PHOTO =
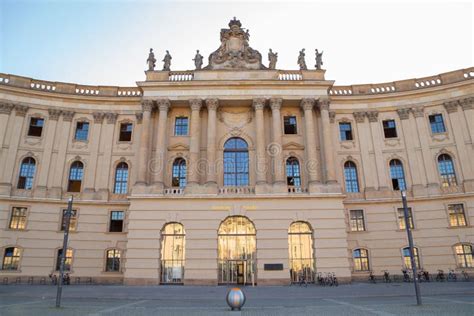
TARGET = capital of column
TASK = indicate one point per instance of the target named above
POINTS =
(111, 117)
(451, 106)
(307, 104)
(139, 117)
(147, 105)
(418, 111)
(323, 104)
(6, 108)
(373, 116)
(54, 114)
(98, 117)
(359, 116)
(163, 104)
(332, 116)
(20, 110)
(467, 104)
(404, 113)
(67, 115)
(258, 104)
(195, 104)
(212, 104)
(275, 103)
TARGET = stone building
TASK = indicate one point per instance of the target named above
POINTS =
(235, 173)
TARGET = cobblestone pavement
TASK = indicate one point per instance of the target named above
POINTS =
(354, 299)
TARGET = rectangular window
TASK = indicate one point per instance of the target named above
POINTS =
(389, 129)
(125, 132)
(36, 127)
(437, 123)
(67, 259)
(18, 218)
(401, 218)
(72, 222)
(181, 126)
(82, 130)
(290, 124)
(357, 220)
(116, 221)
(345, 130)
(457, 217)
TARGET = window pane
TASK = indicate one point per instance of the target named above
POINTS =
(82, 130)
(437, 123)
(27, 173)
(18, 218)
(401, 218)
(236, 163)
(181, 126)
(350, 176)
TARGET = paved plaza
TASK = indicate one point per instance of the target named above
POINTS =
(354, 299)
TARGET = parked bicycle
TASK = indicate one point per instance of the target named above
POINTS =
(329, 279)
(452, 276)
(386, 276)
(406, 275)
(465, 276)
(372, 278)
(53, 278)
(423, 276)
(302, 280)
(440, 277)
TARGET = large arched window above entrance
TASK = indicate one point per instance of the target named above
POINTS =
(300, 247)
(173, 246)
(236, 162)
(237, 246)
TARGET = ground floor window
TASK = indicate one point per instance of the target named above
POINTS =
(113, 261)
(11, 258)
(300, 247)
(173, 245)
(407, 260)
(361, 259)
(67, 259)
(464, 255)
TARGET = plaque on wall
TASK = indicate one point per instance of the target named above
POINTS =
(273, 266)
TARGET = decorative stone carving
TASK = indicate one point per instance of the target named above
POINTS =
(319, 59)
(98, 117)
(139, 117)
(198, 60)
(167, 62)
(323, 104)
(418, 111)
(359, 116)
(451, 106)
(163, 104)
(372, 116)
(111, 117)
(272, 58)
(195, 104)
(307, 103)
(467, 104)
(6, 108)
(404, 113)
(275, 103)
(147, 105)
(67, 115)
(212, 104)
(332, 116)
(151, 60)
(258, 103)
(54, 114)
(301, 60)
(235, 119)
(20, 110)
(234, 51)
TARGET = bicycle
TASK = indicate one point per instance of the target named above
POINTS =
(440, 277)
(372, 278)
(302, 280)
(465, 276)
(406, 275)
(452, 276)
(386, 276)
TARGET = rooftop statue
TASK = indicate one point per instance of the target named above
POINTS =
(151, 60)
(301, 61)
(319, 59)
(234, 51)
(167, 62)
(272, 58)
(198, 60)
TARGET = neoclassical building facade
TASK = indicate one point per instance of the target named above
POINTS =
(235, 173)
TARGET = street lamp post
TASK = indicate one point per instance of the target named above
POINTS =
(67, 221)
(410, 244)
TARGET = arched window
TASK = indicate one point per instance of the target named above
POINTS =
(293, 176)
(173, 246)
(27, 173)
(406, 257)
(236, 162)
(464, 255)
(350, 176)
(300, 247)
(397, 175)
(361, 259)
(446, 171)
(179, 173)
(76, 174)
(237, 247)
(11, 258)
(112, 263)
(67, 259)
(121, 178)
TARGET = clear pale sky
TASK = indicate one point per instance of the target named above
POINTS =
(107, 42)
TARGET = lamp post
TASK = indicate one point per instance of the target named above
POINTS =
(67, 221)
(410, 244)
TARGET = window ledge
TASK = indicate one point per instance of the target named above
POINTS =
(10, 271)
(459, 227)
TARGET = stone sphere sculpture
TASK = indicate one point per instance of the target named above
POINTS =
(235, 298)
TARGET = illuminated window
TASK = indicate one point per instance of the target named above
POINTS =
(18, 218)
(401, 218)
(350, 177)
(300, 247)
(464, 255)
(361, 259)
(293, 176)
(446, 171)
(173, 246)
(112, 263)
(179, 173)
(236, 162)
(357, 220)
(67, 259)
(121, 178)
(75, 177)
(457, 217)
(406, 257)
(11, 258)
(72, 221)
(397, 175)
(27, 173)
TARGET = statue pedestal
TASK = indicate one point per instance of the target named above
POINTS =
(317, 74)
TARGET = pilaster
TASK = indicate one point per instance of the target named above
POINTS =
(158, 164)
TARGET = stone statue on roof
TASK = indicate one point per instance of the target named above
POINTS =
(301, 60)
(319, 59)
(151, 60)
(198, 60)
(272, 58)
(167, 62)
(234, 51)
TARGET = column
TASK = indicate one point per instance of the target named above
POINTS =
(468, 108)
(94, 140)
(311, 164)
(212, 105)
(194, 145)
(259, 105)
(43, 170)
(105, 161)
(363, 137)
(58, 171)
(160, 152)
(328, 150)
(5, 120)
(377, 142)
(276, 150)
(144, 147)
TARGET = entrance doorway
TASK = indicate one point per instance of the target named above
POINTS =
(237, 251)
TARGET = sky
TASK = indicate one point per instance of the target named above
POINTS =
(107, 42)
